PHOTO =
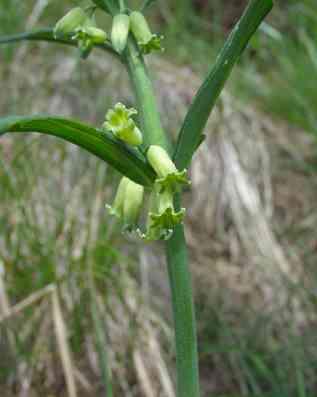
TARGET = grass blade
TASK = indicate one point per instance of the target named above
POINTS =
(123, 158)
(101, 344)
(61, 336)
(147, 4)
(198, 114)
(47, 35)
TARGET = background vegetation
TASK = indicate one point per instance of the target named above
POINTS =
(251, 223)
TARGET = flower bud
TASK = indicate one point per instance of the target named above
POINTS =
(127, 203)
(120, 123)
(160, 161)
(97, 36)
(169, 178)
(70, 22)
(132, 204)
(146, 40)
(120, 32)
(117, 207)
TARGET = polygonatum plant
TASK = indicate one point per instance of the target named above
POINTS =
(140, 149)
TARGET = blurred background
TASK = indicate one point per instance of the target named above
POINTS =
(251, 223)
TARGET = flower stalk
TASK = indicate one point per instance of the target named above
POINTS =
(176, 251)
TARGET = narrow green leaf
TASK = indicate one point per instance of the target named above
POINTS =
(110, 6)
(204, 101)
(147, 4)
(47, 35)
(123, 158)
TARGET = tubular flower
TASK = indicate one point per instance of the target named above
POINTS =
(127, 203)
(120, 32)
(147, 41)
(87, 36)
(162, 217)
(70, 22)
(120, 123)
(169, 178)
(81, 28)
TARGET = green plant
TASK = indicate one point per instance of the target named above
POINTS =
(140, 149)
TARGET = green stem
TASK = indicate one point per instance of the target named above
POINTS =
(153, 133)
(184, 315)
(179, 275)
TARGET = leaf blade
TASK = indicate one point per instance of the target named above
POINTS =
(110, 6)
(211, 88)
(147, 4)
(124, 159)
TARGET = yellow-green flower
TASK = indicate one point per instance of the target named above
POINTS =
(127, 203)
(169, 178)
(146, 40)
(120, 32)
(70, 22)
(120, 123)
(162, 217)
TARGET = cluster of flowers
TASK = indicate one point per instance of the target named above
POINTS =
(162, 216)
(80, 27)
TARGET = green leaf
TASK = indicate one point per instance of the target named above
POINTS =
(123, 158)
(147, 4)
(204, 101)
(47, 35)
(110, 6)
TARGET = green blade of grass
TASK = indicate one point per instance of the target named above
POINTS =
(101, 345)
(123, 158)
(47, 35)
(204, 101)
(147, 4)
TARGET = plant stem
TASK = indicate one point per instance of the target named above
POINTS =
(179, 275)
(153, 133)
(184, 314)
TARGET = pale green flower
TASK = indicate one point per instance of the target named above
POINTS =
(162, 217)
(70, 22)
(127, 203)
(120, 123)
(146, 40)
(169, 178)
(120, 32)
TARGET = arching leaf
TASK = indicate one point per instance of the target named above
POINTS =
(190, 135)
(126, 160)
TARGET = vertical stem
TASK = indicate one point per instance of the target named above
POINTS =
(184, 314)
(151, 126)
(179, 275)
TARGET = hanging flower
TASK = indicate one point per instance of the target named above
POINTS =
(127, 203)
(169, 178)
(120, 32)
(120, 123)
(146, 40)
(70, 22)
